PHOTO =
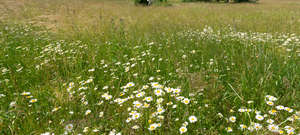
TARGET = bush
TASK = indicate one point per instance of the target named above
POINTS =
(141, 2)
(226, 1)
(147, 2)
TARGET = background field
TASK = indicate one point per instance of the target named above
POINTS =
(66, 64)
(93, 17)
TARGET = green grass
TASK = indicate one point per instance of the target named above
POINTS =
(219, 69)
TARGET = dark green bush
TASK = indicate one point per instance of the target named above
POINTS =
(226, 1)
(142, 2)
(147, 2)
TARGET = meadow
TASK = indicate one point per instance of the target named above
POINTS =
(110, 67)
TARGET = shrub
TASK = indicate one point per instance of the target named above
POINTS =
(142, 2)
(226, 1)
(147, 2)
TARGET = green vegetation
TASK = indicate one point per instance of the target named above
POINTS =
(83, 67)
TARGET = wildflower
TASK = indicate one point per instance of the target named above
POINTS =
(270, 121)
(229, 129)
(291, 132)
(151, 43)
(136, 116)
(155, 85)
(272, 112)
(101, 114)
(257, 126)
(152, 127)
(193, 119)
(145, 87)
(2, 95)
(95, 130)
(158, 92)
(135, 127)
(248, 110)
(160, 100)
(279, 107)
(128, 120)
(280, 131)
(186, 101)
(151, 78)
(182, 130)
(243, 127)
(105, 87)
(160, 110)
(288, 128)
(185, 124)
(106, 96)
(91, 70)
(33, 100)
(127, 69)
(250, 102)
(88, 112)
(272, 98)
(25, 93)
(259, 117)
(170, 103)
(12, 104)
(250, 128)
(270, 103)
(232, 119)
(180, 98)
(69, 127)
(257, 112)
(176, 91)
(288, 109)
(46, 133)
(130, 84)
(290, 119)
(148, 99)
(168, 90)
(55, 109)
(141, 94)
(89, 80)
(160, 117)
(273, 128)
(137, 104)
(146, 105)
(220, 115)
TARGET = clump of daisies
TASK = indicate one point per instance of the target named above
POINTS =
(264, 120)
(153, 98)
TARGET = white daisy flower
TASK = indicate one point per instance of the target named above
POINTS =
(192, 119)
(232, 119)
(259, 117)
(182, 130)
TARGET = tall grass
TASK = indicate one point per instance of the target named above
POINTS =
(83, 75)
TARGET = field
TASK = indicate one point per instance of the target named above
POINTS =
(110, 67)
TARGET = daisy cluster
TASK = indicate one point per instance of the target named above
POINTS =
(278, 119)
(288, 43)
